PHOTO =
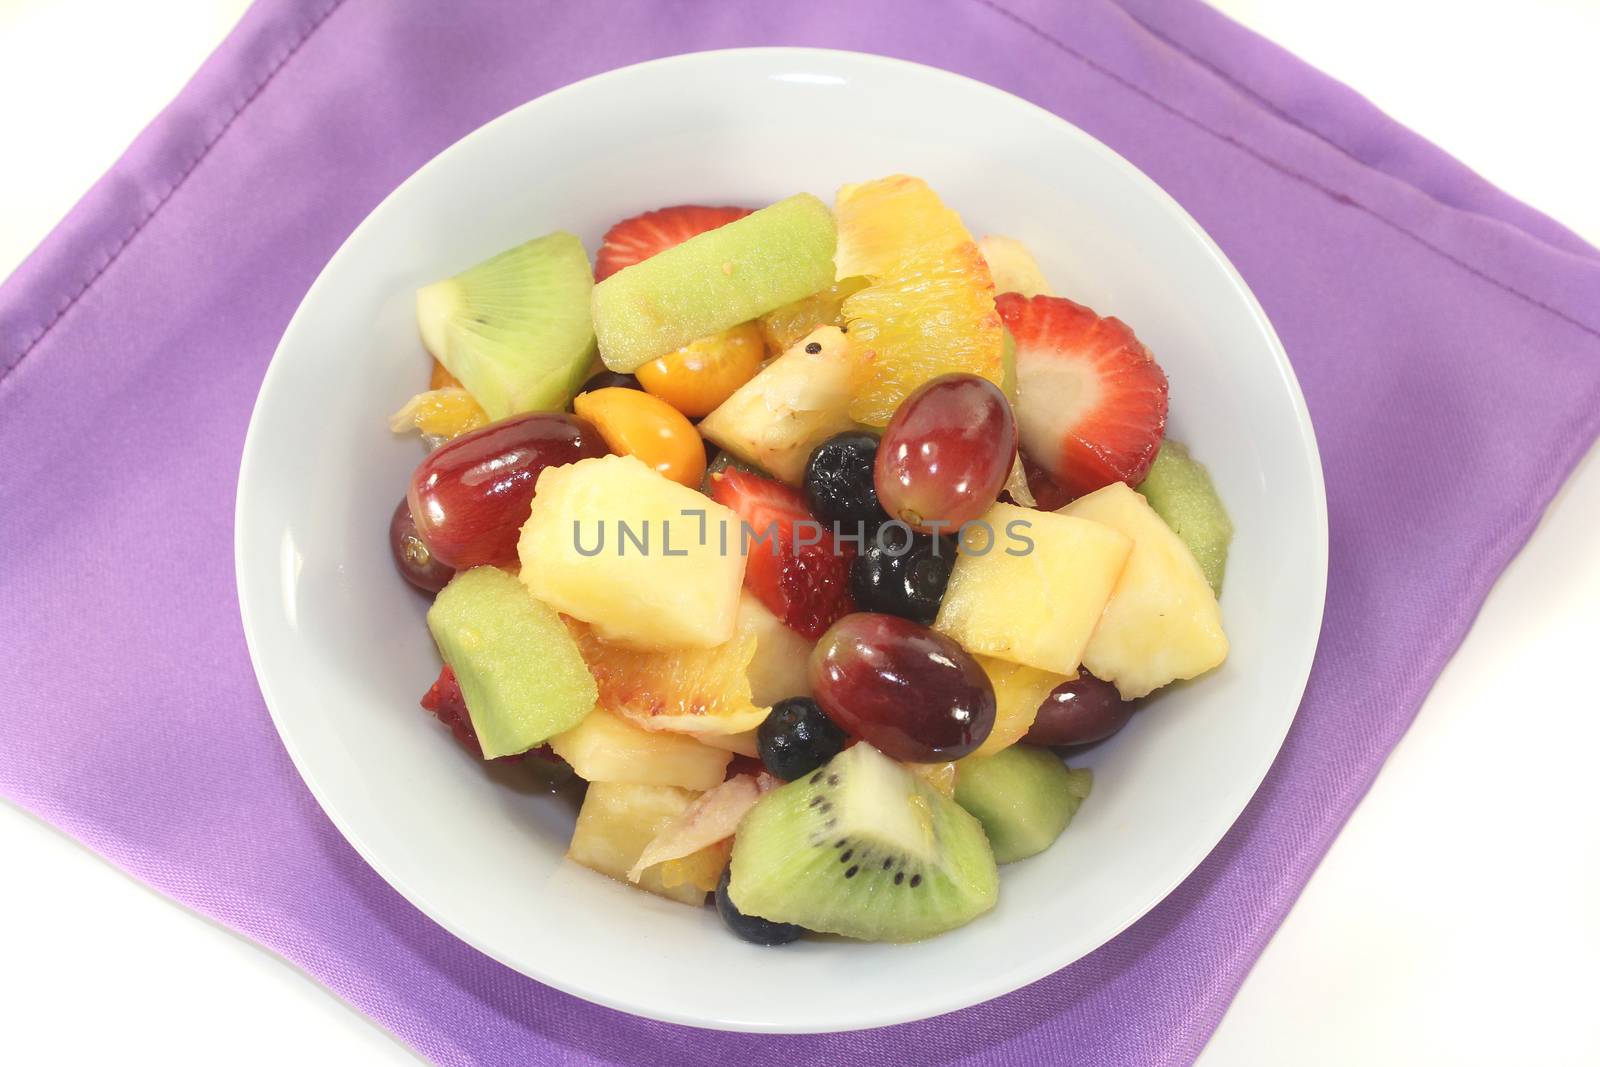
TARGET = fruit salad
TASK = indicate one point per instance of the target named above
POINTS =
(810, 545)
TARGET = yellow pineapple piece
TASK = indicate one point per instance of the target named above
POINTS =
(942, 776)
(650, 597)
(1163, 622)
(1018, 692)
(930, 307)
(796, 402)
(1013, 267)
(607, 748)
(780, 667)
(701, 691)
(1036, 595)
(699, 872)
(617, 821)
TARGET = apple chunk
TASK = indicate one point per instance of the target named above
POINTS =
(1162, 623)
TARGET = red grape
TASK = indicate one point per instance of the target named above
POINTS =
(911, 693)
(471, 497)
(1078, 712)
(946, 453)
(411, 555)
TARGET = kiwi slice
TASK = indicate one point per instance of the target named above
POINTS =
(1023, 796)
(520, 670)
(863, 848)
(1180, 491)
(714, 280)
(515, 329)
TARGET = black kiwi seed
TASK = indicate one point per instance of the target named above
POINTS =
(899, 877)
(888, 861)
(815, 801)
(839, 843)
(815, 778)
(851, 873)
(833, 779)
(916, 880)
(813, 348)
(845, 857)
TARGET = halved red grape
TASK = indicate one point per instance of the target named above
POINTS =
(1078, 712)
(411, 554)
(910, 692)
(946, 453)
(471, 497)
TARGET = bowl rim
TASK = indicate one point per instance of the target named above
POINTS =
(955, 996)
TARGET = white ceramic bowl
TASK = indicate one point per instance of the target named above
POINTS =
(338, 639)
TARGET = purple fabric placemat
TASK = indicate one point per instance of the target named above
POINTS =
(1447, 337)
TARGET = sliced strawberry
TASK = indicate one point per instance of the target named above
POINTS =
(1091, 402)
(449, 706)
(807, 587)
(637, 239)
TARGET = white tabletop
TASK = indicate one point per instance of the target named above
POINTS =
(1457, 918)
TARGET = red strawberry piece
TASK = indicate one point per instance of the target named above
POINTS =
(1047, 495)
(637, 239)
(445, 700)
(449, 706)
(807, 586)
(1091, 401)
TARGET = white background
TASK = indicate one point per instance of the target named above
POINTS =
(1457, 918)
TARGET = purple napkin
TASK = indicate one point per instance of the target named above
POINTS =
(1448, 339)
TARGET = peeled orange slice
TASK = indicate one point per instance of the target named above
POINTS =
(929, 309)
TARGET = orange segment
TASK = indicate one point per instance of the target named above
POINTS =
(442, 379)
(930, 307)
(447, 412)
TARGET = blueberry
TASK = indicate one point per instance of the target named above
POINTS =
(752, 928)
(796, 738)
(891, 578)
(839, 481)
(609, 379)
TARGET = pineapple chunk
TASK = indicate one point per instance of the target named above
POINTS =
(680, 590)
(1036, 595)
(615, 824)
(942, 776)
(1162, 623)
(1018, 692)
(607, 748)
(779, 669)
(1013, 267)
(797, 401)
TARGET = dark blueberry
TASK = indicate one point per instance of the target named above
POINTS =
(609, 379)
(839, 481)
(796, 738)
(752, 928)
(909, 582)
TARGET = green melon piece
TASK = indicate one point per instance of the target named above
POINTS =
(1023, 796)
(520, 670)
(863, 848)
(1180, 491)
(515, 329)
(714, 280)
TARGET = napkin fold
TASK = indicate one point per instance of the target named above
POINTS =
(1446, 336)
